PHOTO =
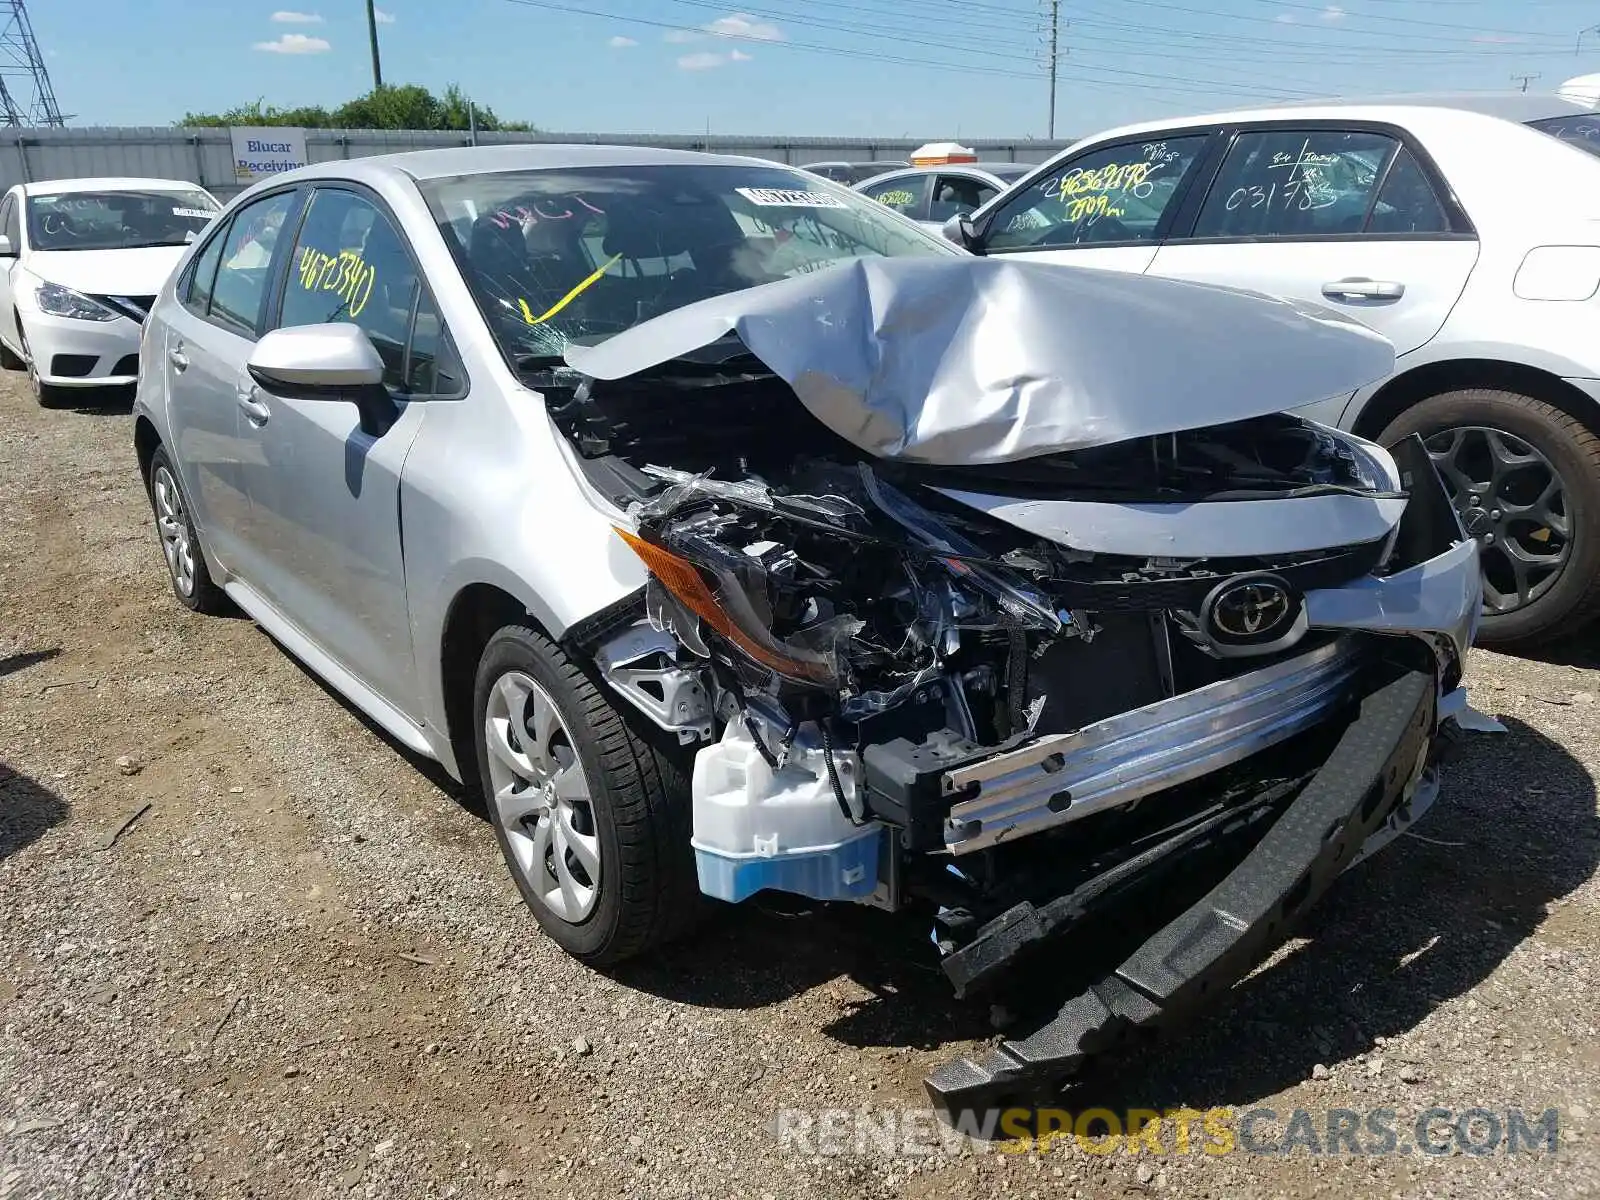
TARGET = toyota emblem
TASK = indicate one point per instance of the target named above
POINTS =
(1250, 611)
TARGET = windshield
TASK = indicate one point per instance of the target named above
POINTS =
(579, 255)
(117, 220)
(1581, 130)
(1010, 172)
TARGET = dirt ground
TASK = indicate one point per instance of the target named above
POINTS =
(302, 970)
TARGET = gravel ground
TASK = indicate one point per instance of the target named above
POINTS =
(301, 969)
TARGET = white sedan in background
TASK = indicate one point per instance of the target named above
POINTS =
(932, 195)
(1465, 229)
(82, 262)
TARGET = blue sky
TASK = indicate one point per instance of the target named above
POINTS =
(918, 68)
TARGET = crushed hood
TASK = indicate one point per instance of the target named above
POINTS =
(963, 360)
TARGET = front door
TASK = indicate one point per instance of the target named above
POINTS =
(325, 526)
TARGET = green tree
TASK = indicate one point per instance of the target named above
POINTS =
(393, 106)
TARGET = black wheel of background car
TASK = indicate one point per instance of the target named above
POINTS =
(180, 545)
(592, 817)
(1525, 477)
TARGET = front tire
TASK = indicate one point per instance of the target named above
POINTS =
(592, 819)
(1525, 477)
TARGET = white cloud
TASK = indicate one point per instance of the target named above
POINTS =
(619, 42)
(1284, 18)
(679, 36)
(739, 56)
(295, 43)
(382, 18)
(743, 25)
(701, 62)
(297, 18)
(1334, 13)
(1496, 39)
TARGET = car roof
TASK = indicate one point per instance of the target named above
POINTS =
(1519, 107)
(481, 160)
(986, 170)
(108, 183)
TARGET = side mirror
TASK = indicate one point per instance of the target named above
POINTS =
(326, 362)
(7, 250)
(316, 360)
(960, 230)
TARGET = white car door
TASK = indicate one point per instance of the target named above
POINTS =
(1107, 206)
(1351, 218)
(11, 226)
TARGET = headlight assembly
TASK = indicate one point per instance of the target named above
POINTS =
(61, 301)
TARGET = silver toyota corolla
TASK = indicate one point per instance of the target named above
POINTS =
(729, 534)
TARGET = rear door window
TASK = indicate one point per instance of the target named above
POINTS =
(1300, 183)
(1109, 194)
(954, 195)
(1581, 130)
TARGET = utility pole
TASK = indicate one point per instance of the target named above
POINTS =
(28, 99)
(1525, 79)
(372, 35)
(1055, 46)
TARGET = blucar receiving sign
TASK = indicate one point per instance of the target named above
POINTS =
(258, 153)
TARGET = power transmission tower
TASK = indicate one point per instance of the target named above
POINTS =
(1525, 79)
(1055, 59)
(22, 73)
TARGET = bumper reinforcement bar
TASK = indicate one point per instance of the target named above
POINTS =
(1218, 940)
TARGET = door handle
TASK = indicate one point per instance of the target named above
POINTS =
(256, 411)
(178, 359)
(1364, 289)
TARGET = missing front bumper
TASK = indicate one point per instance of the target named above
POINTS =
(1216, 941)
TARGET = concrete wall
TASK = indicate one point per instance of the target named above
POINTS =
(205, 156)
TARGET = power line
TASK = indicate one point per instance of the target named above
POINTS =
(1171, 84)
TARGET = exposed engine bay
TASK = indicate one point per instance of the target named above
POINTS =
(901, 695)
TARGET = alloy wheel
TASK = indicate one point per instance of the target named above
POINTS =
(1511, 500)
(173, 525)
(542, 797)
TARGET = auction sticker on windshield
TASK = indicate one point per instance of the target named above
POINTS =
(785, 198)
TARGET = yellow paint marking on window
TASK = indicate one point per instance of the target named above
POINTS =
(527, 313)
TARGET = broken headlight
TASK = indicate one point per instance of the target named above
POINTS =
(740, 595)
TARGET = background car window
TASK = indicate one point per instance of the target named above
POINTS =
(197, 286)
(1581, 130)
(350, 264)
(1407, 202)
(906, 194)
(246, 263)
(117, 219)
(1295, 183)
(1109, 194)
(955, 194)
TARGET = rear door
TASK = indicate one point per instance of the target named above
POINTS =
(1352, 217)
(206, 339)
(1107, 206)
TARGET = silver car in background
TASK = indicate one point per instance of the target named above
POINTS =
(932, 196)
(727, 533)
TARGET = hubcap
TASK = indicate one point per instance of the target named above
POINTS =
(1512, 502)
(541, 797)
(174, 530)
